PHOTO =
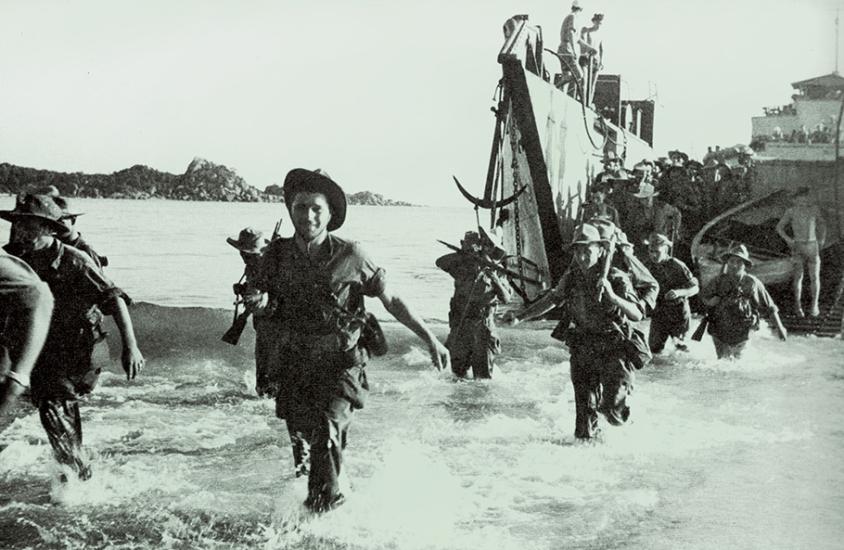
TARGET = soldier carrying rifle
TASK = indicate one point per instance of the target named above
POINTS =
(250, 243)
(599, 306)
(736, 299)
(478, 289)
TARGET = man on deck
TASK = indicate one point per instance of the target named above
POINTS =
(591, 54)
(316, 283)
(569, 49)
(808, 235)
(471, 317)
(613, 169)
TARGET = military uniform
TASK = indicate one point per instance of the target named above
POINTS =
(660, 217)
(742, 300)
(646, 286)
(472, 341)
(80, 244)
(21, 290)
(64, 372)
(315, 351)
(602, 372)
(600, 209)
(266, 379)
(670, 318)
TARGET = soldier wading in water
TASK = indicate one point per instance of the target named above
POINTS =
(65, 372)
(600, 302)
(313, 286)
(477, 290)
(736, 299)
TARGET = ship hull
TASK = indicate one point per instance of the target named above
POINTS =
(553, 147)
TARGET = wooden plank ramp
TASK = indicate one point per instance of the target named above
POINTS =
(827, 324)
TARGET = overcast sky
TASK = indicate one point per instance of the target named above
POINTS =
(389, 96)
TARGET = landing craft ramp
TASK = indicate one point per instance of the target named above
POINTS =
(552, 145)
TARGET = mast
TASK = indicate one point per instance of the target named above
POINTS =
(836, 40)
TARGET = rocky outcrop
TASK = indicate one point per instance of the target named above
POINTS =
(373, 199)
(275, 190)
(202, 181)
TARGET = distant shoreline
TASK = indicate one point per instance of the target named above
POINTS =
(202, 181)
(6, 193)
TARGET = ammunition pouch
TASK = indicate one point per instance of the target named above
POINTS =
(626, 338)
(372, 336)
(93, 324)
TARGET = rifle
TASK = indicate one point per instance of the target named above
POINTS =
(232, 336)
(701, 329)
(276, 231)
(491, 265)
(606, 268)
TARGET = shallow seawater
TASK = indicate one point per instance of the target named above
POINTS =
(717, 454)
(739, 454)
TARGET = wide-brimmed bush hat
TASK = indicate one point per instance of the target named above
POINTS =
(587, 234)
(316, 181)
(249, 241)
(40, 207)
(64, 204)
(739, 251)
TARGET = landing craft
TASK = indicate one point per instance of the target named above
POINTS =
(547, 148)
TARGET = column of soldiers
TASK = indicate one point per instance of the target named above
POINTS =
(660, 205)
(308, 293)
(315, 337)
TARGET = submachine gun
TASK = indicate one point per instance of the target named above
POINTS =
(232, 336)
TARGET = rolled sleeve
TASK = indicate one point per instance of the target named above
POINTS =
(372, 278)
(95, 286)
(558, 294)
(763, 299)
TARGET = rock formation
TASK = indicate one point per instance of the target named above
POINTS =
(202, 181)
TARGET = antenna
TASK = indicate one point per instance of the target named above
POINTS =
(836, 40)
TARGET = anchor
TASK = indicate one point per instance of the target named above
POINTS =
(485, 202)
